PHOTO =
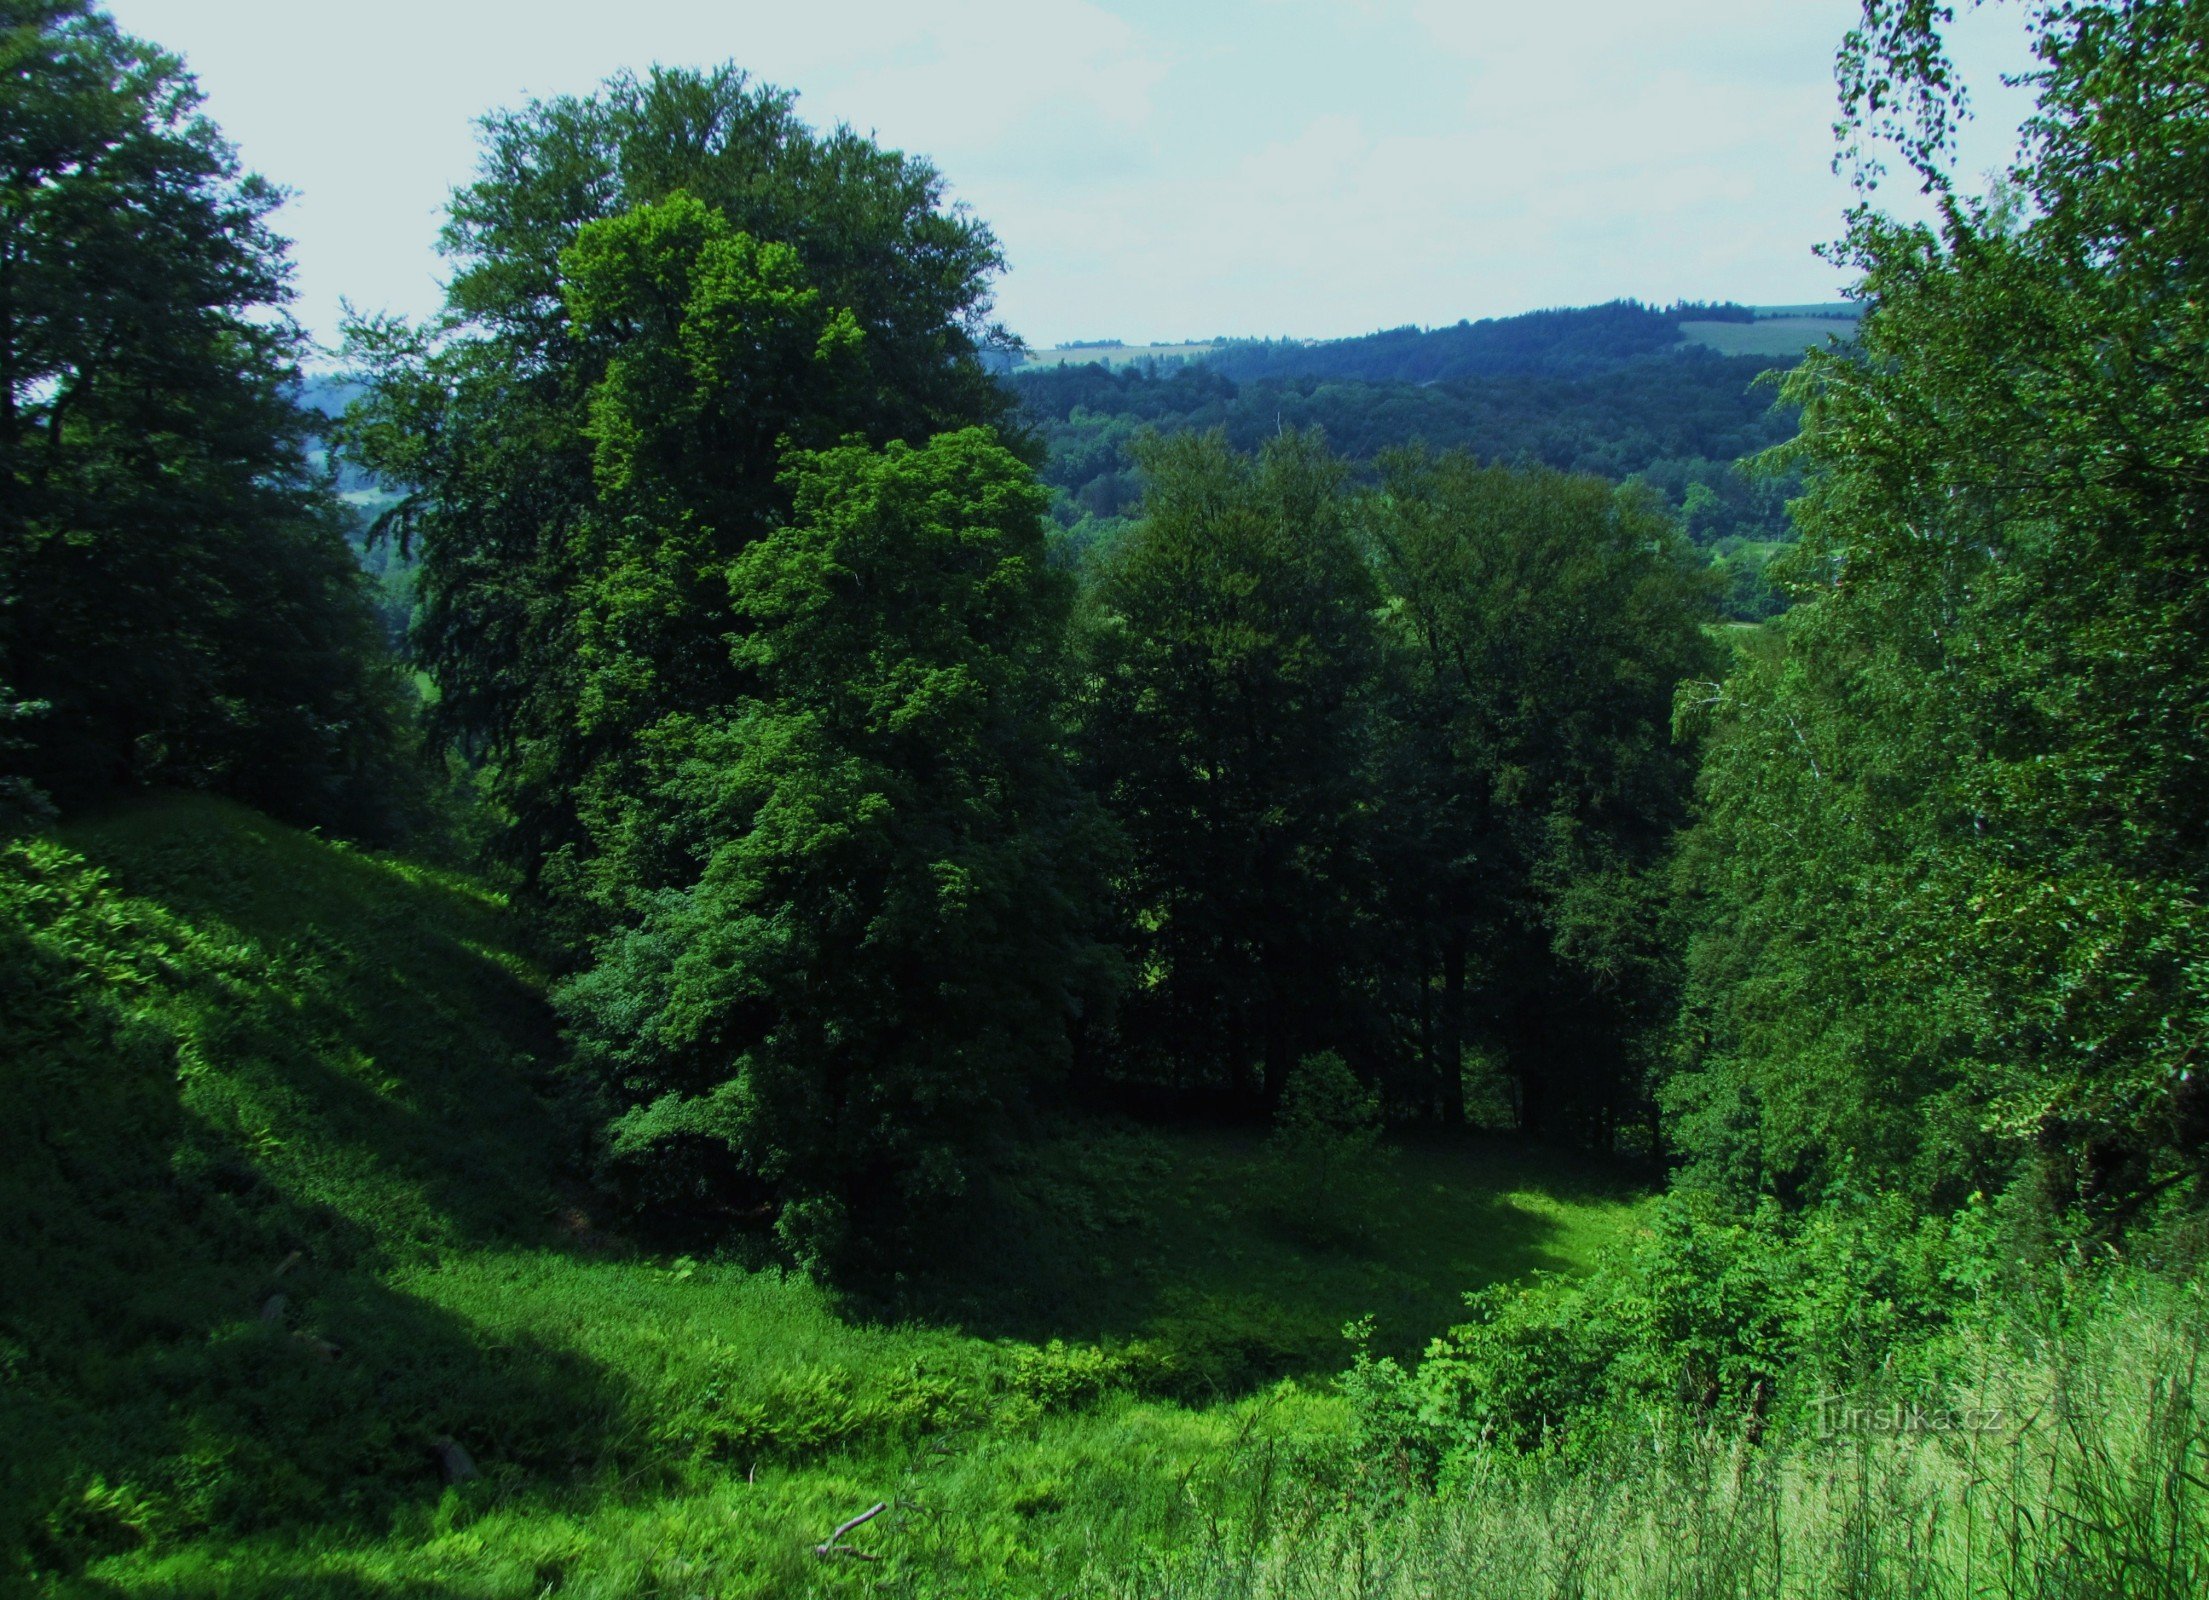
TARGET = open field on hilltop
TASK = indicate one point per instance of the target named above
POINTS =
(1112, 355)
(1777, 337)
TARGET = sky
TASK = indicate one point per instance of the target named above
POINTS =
(1155, 170)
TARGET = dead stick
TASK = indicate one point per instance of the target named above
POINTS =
(829, 1546)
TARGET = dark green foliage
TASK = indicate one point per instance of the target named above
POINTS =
(1945, 892)
(1710, 1314)
(1324, 1151)
(1561, 343)
(880, 951)
(725, 359)
(754, 620)
(1529, 785)
(1230, 650)
(1956, 830)
(175, 588)
(538, 547)
(1396, 775)
(1678, 422)
(774, 729)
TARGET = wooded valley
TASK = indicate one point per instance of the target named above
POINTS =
(678, 936)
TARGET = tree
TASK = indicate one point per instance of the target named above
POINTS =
(175, 588)
(1230, 649)
(570, 585)
(1540, 625)
(751, 624)
(882, 949)
(1324, 1152)
(1955, 835)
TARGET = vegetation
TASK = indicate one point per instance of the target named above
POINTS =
(1973, 955)
(1541, 624)
(581, 445)
(179, 604)
(1545, 343)
(1685, 424)
(883, 941)
(1324, 1031)
(292, 1208)
(1223, 731)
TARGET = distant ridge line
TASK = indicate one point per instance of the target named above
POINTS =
(1560, 342)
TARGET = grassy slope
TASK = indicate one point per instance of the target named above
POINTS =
(232, 1046)
(1115, 1233)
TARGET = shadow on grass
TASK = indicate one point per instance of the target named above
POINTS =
(1116, 1233)
(243, 1079)
(366, 1027)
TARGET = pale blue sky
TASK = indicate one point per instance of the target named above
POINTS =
(1155, 170)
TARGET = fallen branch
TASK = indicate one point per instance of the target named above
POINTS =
(830, 1547)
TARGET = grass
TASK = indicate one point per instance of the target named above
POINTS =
(285, 1173)
(2077, 1475)
(1107, 1232)
(288, 1182)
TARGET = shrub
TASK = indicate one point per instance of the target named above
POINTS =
(1324, 1151)
(1714, 1314)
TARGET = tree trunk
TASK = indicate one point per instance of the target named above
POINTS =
(1430, 1049)
(1280, 1056)
(1530, 1062)
(1242, 1086)
(1450, 1063)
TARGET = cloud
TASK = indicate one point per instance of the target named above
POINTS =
(1154, 169)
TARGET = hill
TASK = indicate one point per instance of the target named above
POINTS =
(290, 1167)
(1681, 424)
(1563, 342)
(1668, 396)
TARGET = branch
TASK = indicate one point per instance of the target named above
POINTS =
(830, 1546)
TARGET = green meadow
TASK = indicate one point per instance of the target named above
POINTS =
(312, 1169)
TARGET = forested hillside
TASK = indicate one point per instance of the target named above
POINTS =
(1566, 343)
(1686, 426)
(1606, 390)
(819, 994)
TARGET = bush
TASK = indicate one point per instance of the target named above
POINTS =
(1324, 1152)
(2050, 1450)
(1714, 1316)
(1069, 1377)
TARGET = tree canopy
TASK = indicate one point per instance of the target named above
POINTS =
(1955, 830)
(583, 443)
(177, 602)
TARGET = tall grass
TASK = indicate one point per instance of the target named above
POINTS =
(2075, 1466)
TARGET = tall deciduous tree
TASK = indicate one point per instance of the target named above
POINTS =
(882, 949)
(1230, 652)
(1957, 832)
(1540, 625)
(752, 625)
(569, 589)
(176, 594)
